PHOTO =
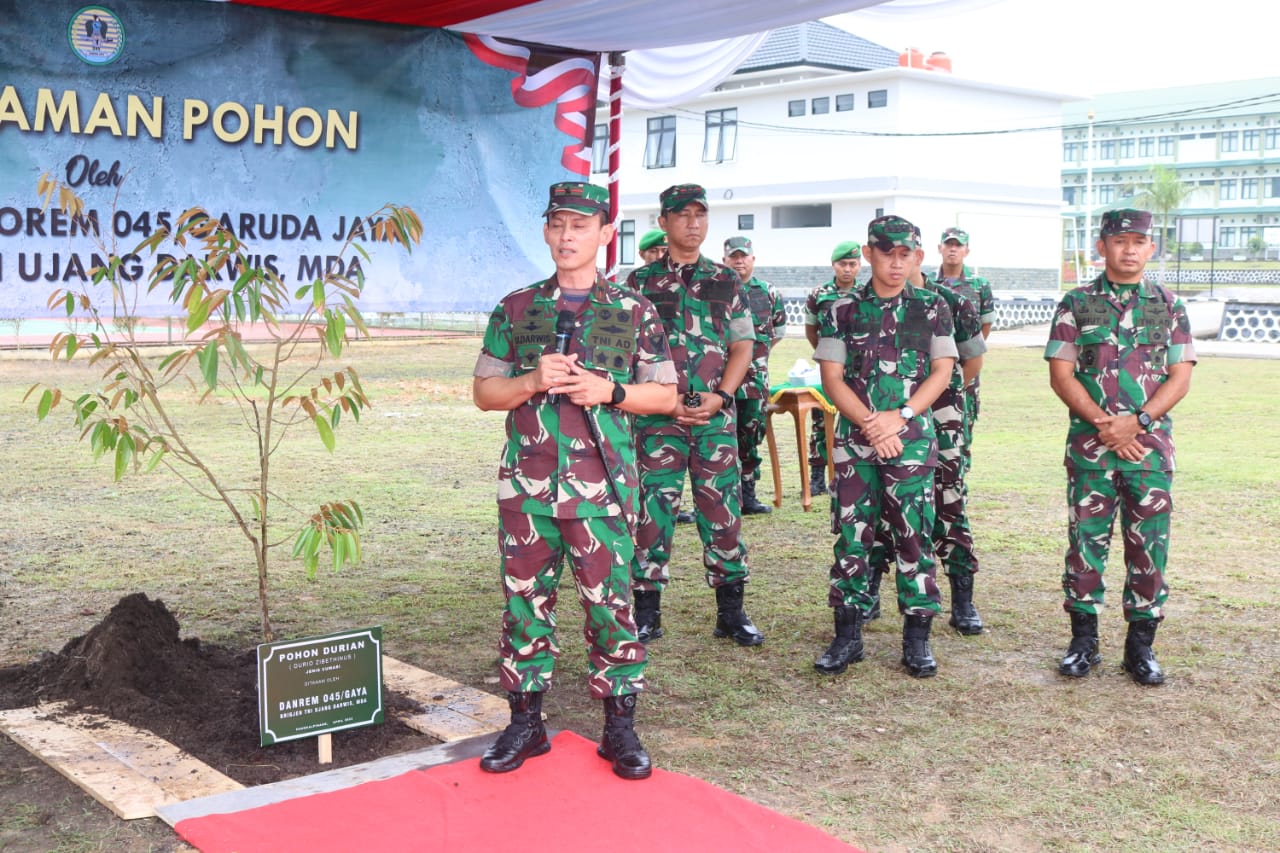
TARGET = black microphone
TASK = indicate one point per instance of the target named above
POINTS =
(565, 321)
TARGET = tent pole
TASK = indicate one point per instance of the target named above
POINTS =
(617, 64)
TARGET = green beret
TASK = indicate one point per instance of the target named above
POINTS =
(656, 237)
(847, 249)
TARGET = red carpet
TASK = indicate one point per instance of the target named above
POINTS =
(566, 800)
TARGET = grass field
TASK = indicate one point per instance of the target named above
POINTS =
(996, 753)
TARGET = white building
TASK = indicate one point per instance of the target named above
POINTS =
(1223, 140)
(821, 131)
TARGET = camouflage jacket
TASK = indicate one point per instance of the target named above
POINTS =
(702, 312)
(886, 347)
(976, 288)
(552, 464)
(770, 321)
(820, 300)
(950, 409)
(1122, 344)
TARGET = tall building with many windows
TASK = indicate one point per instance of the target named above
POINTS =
(1223, 141)
(820, 131)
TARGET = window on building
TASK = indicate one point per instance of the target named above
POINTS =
(1229, 141)
(660, 146)
(1070, 152)
(600, 149)
(1248, 233)
(795, 108)
(1127, 148)
(877, 98)
(1146, 146)
(1249, 140)
(1227, 237)
(746, 221)
(627, 241)
(1167, 144)
(801, 216)
(879, 213)
(1106, 194)
(1107, 149)
(1271, 187)
(1271, 139)
(821, 106)
(1248, 188)
(1228, 190)
(1069, 195)
(844, 103)
(721, 140)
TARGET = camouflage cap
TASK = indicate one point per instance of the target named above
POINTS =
(674, 199)
(737, 244)
(656, 237)
(577, 196)
(886, 232)
(847, 249)
(1125, 220)
(960, 235)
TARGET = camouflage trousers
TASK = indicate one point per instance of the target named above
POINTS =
(710, 455)
(818, 441)
(952, 536)
(1145, 506)
(533, 550)
(972, 405)
(750, 434)
(900, 497)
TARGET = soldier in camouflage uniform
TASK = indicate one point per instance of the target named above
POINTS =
(1120, 356)
(886, 354)
(571, 360)
(653, 246)
(710, 335)
(770, 321)
(846, 261)
(952, 536)
(955, 275)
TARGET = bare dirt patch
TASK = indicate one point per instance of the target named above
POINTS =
(133, 666)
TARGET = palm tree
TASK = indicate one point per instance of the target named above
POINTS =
(1164, 193)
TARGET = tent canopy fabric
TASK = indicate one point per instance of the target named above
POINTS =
(590, 25)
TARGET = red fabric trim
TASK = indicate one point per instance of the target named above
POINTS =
(441, 13)
(545, 75)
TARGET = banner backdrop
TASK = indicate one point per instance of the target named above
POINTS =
(290, 128)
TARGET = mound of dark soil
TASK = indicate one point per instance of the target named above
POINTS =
(132, 666)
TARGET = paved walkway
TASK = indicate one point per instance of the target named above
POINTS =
(1035, 336)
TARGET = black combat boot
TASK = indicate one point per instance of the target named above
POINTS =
(685, 517)
(818, 480)
(1082, 655)
(964, 616)
(731, 619)
(1139, 660)
(873, 589)
(917, 657)
(526, 737)
(750, 504)
(620, 743)
(646, 604)
(846, 648)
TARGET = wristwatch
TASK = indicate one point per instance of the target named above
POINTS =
(619, 394)
(907, 413)
(1144, 420)
(726, 397)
